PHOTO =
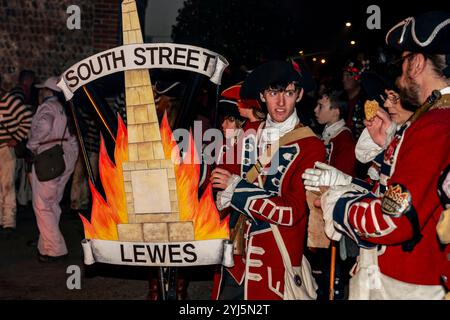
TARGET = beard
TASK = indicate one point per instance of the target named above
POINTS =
(409, 93)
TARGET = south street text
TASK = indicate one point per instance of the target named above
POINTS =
(142, 56)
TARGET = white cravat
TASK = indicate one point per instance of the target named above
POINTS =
(272, 132)
(275, 130)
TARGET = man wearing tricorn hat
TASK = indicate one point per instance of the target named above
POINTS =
(267, 195)
(234, 127)
(248, 108)
(401, 257)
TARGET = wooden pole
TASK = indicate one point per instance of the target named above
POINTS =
(332, 269)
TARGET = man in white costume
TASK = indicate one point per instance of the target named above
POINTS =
(50, 127)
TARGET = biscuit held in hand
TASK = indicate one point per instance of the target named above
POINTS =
(370, 109)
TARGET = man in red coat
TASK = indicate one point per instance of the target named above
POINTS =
(277, 196)
(401, 257)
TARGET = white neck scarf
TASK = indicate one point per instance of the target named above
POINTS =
(331, 130)
(275, 130)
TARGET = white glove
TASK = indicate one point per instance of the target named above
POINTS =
(324, 175)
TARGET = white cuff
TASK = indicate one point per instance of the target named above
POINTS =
(366, 149)
(328, 201)
(344, 180)
(224, 197)
(390, 133)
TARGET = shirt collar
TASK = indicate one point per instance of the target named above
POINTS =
(275, 130)
(331, 130)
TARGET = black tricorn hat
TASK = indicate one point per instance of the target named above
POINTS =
(229, 108)
(267, 74)
(427, 33)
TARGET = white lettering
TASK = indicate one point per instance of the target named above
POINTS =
(196, 310)
(74, 280)
(374, 20)
(74, 20)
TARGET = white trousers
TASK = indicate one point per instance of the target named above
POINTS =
(368, 283)
(46, 198)
(7, 188)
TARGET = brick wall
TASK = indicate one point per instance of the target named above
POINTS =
(106, 24)
(35, 36)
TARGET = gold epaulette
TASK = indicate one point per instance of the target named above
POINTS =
(439, 103)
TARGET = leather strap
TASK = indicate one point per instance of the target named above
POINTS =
(442, 101)
(53, 140)
(253, 173)
(56, 140)
(266, 157)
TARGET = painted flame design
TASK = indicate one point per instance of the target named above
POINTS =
(105, 215)
(203, 211)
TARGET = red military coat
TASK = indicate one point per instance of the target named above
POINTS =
(417, 156)
(281, 201)
(342, 151)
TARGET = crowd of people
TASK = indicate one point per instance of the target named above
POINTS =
(380, 180)
(35, 118)
(374, 176)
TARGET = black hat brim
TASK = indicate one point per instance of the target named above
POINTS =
(269, 74)
(423, 27)
(228, 109)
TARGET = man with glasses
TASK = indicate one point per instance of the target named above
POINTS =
(401, 257)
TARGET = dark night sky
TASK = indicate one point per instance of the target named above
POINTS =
(323, 33)
(327, 18)
(288, 26)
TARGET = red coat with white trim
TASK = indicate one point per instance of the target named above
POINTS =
(342, 152)
(417, 156)
(281, 201)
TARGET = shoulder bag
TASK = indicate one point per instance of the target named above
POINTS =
(50, 164)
